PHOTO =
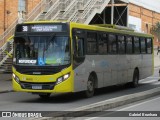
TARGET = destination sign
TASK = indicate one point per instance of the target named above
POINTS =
(41, 28)
(46, 28)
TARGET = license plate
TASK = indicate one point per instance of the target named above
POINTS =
(37, 87)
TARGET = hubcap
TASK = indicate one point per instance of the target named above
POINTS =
(90, 85)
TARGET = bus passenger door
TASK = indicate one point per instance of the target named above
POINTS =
(78, 59)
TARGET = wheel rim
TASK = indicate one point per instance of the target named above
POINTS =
(90, 85)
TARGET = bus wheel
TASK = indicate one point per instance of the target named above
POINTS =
(90, 86)
(135, 81)
(44, 96)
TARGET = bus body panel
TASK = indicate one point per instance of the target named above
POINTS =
(112, 71)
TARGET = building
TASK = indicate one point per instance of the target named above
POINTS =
(138, 14)
(143, 14)
(11, 9)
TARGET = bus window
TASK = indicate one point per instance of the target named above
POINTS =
(91, 43)
(143, 45)
(19, 43)
(149, 45)
(102, 43)
(129, 45)
(136, 45)
(80, 47)
(112, 44)
(121, 44)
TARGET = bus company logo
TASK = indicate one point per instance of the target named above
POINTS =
(6, 114)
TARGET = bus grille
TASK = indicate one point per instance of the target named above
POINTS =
(38, 86)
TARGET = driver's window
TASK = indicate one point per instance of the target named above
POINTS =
(80, 47)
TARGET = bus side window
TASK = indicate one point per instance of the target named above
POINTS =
(112, 44)
(121, 44)
(136, 45)
(102, 43)
(143, 45)
(129, 45)
(92, 43)
(149, 45)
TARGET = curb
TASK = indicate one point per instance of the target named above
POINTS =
(6, 91)
(103, 105)
(157, 66)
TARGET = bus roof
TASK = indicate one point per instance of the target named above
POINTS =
(98, 27)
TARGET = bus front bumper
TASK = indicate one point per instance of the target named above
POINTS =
(63, 87)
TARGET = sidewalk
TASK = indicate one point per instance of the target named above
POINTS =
(6, 83)
(156, 59)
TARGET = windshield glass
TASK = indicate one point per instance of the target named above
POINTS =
(41, 50)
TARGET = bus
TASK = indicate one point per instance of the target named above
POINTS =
(66, 57)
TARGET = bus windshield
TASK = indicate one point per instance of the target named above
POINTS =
(41, 50)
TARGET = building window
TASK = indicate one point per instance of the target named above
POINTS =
(21, 5)
(146, 28)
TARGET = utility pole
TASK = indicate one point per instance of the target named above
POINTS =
(112, 11)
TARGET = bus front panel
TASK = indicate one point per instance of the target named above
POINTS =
(57, 83)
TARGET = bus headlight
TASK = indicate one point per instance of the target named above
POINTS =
(63, 78)
(16, 78)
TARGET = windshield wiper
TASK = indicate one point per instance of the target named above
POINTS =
(49, 41)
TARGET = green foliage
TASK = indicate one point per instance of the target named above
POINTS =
(156, 30)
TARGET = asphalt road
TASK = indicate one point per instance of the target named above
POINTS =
(16, 101)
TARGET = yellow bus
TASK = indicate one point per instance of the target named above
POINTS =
(66, 57)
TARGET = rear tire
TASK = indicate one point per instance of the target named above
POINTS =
(44, 96)
(135, 81)
(90, 87)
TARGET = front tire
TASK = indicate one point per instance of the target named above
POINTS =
(90, 87)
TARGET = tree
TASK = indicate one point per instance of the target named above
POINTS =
(155, 30)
